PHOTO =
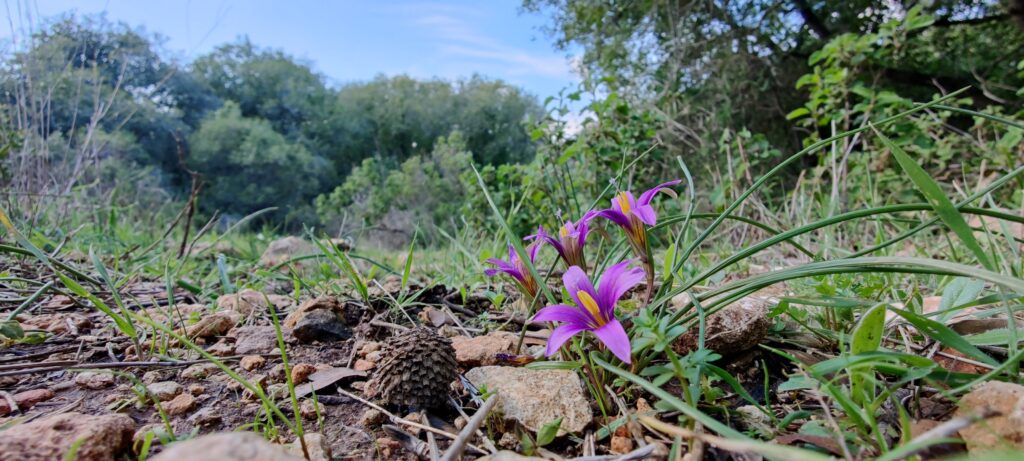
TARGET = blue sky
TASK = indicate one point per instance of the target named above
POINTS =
(347, 40)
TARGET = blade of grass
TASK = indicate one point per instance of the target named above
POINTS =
(945, 335)
(515, 240)
(933, 193)
(793, 158)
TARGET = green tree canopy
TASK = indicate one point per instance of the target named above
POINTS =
(249, 166)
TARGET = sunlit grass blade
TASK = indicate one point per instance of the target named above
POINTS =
(114, 294)
(770, 451)
(945, 335)
(408, 262)
(793, 158)
(515, 240)
(341, 260)
(933, 193)
(1001, 181)
(866, 337)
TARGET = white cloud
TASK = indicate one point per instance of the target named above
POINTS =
(461, 38)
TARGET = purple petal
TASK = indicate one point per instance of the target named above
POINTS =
(575, 280)
(541, 234)
(583, 226)
(646, 197)
(612, 335)
(614, 216)
(562, 334)
(614, 283)
(532, 249)
(501, 266)
(646, 214)
(561, 313)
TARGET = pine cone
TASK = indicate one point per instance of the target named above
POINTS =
(417, 369)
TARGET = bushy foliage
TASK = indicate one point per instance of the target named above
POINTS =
(81, 83)
(249, 166)
(423, 193)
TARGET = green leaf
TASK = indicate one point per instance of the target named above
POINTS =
(408, 261)
(945, 335)
(11, 329)
(555, 365)
(940, 203)
(960, 291)
(122, 324)
(798, 113)
(515, 240)
(548, 431)
(867, 336)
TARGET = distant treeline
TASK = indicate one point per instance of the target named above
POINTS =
(86, 99)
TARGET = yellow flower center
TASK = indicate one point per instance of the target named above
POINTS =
(623, 202)
(564, 231)
(591, 306)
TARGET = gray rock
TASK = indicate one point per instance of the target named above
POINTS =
(104, 438)
(94, 380)
(165, 390)
(537, 397)
(255, 339)
(316, 445)
(227, 446)
(320, 325)
(999, 432)
(740, 326)
(283, 249)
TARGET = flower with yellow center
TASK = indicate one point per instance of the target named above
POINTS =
(594, 308)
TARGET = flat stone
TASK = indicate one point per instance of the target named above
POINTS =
(320, 325)
(483, 350)
(252, 362)
(206, 417)
(165, 390)
(738, 327)
(227, 446)
(25, 400)
(94, 380)
(223, 348)
(316, 446)
(248, 301)
(283, 249)
(537, 397)
(104, 438)
(215, 324)
(1000, 432)
(255, 339)
(179, 405)
(199, 371)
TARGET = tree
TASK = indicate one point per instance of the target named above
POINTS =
(711, 65)
(249, 166)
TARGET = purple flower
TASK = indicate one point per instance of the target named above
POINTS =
(633, 215)
(570, 241)
(515, 268)
(594, 310)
